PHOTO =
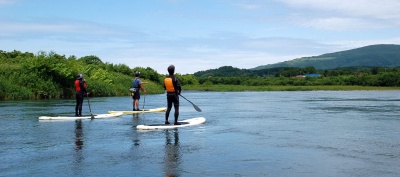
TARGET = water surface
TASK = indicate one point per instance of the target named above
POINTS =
(315, 133)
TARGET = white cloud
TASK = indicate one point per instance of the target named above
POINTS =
(64, 30)
(26, 27)
(352, 44)
(339, 14)
(7, 2)
(372, 8)
(248, 6)
(338, 24)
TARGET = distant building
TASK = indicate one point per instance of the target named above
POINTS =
(312, 75)
(307, 75)
(300, 76)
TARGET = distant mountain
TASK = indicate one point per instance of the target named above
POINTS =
(383, 55)
(360, 58)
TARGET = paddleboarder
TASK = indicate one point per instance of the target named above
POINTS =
(80, 88)
(137, 85)
(173, 87)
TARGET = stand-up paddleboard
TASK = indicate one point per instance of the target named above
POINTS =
(184, 123)
(96, 116)
(141, 111)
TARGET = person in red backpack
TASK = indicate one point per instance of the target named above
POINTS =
(80, 88)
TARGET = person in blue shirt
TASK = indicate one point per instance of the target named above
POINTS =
(137, 85)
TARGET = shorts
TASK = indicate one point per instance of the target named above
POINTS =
(136, 96)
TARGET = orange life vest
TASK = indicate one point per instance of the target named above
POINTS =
(169, 85)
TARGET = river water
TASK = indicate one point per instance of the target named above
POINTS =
(312, 133)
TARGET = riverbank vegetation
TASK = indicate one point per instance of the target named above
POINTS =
(241, 88)
(51, 76)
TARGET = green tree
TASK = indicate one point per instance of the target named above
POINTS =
(92, 59)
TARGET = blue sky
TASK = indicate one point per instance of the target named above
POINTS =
(196, 35)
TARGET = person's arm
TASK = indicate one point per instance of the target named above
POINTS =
(140, 86)
(82, 84)
(178, 86)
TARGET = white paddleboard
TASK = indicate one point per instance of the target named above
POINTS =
(96, 116)
(141, 111)
(184, 123)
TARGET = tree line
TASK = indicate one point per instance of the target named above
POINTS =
(51, 76)
(361, 76)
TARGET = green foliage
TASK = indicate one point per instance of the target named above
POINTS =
(49, 75)
(120, 68)
(148, 73)
(99, 88)
(91, 60)
(101, 75)
(226, 71)
(188, 79)
(390, 78)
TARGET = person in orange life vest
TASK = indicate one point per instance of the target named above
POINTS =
(173, 87)
(80, 88)
(138, 85)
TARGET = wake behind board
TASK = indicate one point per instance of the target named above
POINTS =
(141, 111)
(184, 123)
(96, 116)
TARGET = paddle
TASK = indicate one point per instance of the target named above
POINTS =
(90, 109)
(144, 100)
(194, 106)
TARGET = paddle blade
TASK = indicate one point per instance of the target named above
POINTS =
(196, 108)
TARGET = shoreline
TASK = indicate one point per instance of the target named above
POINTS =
(240, 88)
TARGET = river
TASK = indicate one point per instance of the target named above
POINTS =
(310, 133)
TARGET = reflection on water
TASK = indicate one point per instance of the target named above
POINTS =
(172, 155)
(78, 135)
(135, 120)
(78, 148)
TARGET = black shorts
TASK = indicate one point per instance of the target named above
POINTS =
(172, 99)
(137, 95)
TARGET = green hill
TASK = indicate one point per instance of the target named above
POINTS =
(383, 55)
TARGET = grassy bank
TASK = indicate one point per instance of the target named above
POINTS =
(239, 88)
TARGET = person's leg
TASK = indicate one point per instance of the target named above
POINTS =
(80, 97)
(137, 98)
(176, 107)
(133, 104)
(137, 104)
(77, 105)
(169, 107)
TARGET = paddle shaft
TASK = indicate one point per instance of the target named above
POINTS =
(144, 100)
(90, 109)
(194, 106)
